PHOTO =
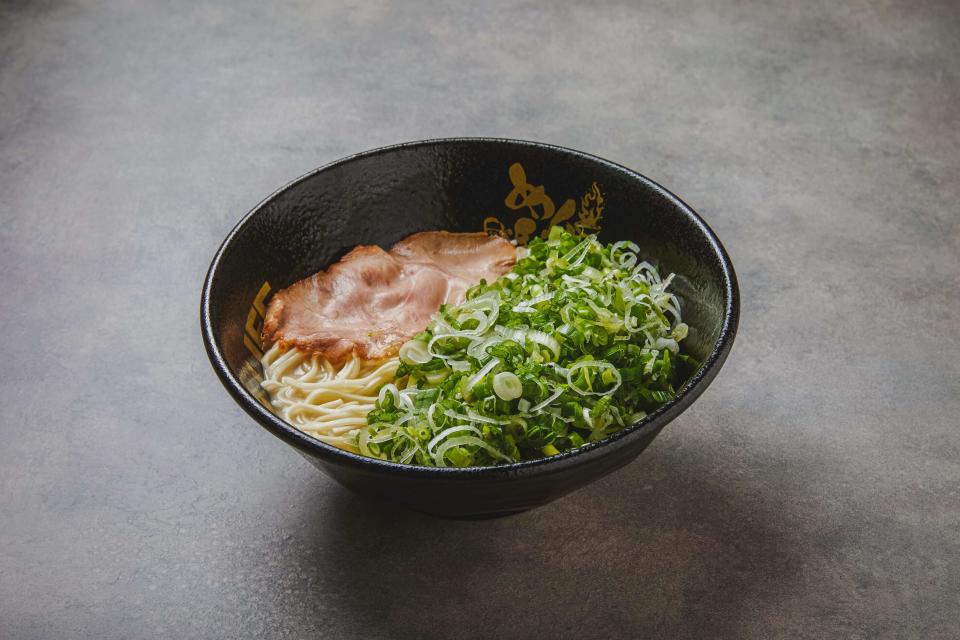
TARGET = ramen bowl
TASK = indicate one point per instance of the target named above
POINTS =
(509, 187)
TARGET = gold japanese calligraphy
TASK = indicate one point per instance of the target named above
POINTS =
(538, 212)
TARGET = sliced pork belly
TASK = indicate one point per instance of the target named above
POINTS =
(372, 301)
(468, 256)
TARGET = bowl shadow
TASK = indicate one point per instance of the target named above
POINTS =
(675, 544)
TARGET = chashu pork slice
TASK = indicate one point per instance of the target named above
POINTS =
(470, 257)
(372, 301)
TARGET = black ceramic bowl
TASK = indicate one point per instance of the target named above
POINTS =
(510, 187)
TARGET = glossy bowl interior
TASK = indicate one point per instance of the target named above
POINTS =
(511, 187)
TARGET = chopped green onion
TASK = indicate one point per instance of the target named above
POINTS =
(415, 352)
(578, 341)
(507, 386)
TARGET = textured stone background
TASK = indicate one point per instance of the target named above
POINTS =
(814, 490)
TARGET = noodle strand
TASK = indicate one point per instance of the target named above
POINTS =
(327, 402)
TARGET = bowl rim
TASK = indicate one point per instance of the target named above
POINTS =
(654, 421)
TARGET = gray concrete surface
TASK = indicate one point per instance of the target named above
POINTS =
(814, 490)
